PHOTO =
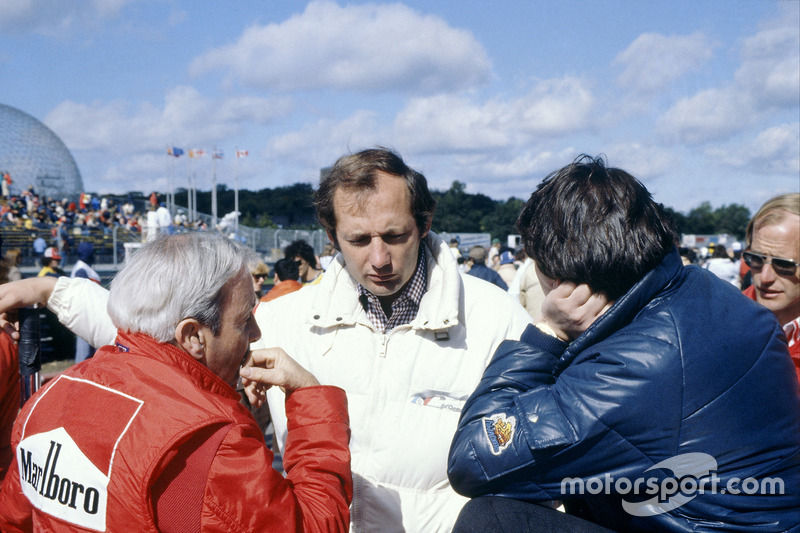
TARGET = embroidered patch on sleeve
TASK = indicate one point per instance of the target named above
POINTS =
(499, 430)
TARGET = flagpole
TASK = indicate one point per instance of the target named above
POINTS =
(236, 195)
(169, 179)
(189, 191)
(214, 155)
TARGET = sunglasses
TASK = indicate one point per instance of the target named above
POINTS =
(784, 267)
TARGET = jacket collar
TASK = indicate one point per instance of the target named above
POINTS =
(335, 302)
(668, 273)
(146, 346)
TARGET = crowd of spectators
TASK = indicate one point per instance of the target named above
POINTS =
(62, 222)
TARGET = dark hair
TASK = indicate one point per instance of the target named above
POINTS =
(358, 172)
(721, 252)
(287, 269)
(590, 224)
(301, 248)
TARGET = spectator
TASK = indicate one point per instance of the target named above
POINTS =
(164, 220)
(531, 295)
(477, 267)
(494, 252)
(303, 253)
(152, 223)
(39, 245)
(176, 451)
(83, 269)
(325, 258)
(286, 275)
(507, 269)
(640, 370)
(50, 261)
(773, 255)
(260, 273)
(454, 248)
(723, 265)
(13, 260)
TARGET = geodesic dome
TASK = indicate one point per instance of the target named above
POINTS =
(33, 155)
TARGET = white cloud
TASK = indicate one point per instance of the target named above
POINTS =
(54, 16)
(766, 84)
(770, 68)
(775, 150)
(186, 116)
(367, 47)
(713, 114)
(653, 60)
(550, 109)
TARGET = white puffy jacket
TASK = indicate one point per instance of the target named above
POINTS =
(405, 388)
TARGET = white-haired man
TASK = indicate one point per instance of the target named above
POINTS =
(150, 435)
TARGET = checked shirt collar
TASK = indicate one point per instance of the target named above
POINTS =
(405, 307)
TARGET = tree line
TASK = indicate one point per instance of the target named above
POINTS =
(457, 211)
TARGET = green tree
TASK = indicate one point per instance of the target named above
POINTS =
(732, 219)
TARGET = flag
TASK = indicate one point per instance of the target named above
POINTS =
(197, 152)
(175, 152)
(241, 153)
(217, 154)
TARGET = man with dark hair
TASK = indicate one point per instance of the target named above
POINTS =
(286, 274)
(303, 253)
(638, 399)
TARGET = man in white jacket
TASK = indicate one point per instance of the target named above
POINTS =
(396, 325)
(392, 322)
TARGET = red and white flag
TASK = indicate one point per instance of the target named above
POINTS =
(241, 153)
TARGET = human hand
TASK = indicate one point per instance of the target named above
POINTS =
(272, 366)
(22, 293)
(569, 309)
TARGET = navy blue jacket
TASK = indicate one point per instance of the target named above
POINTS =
(682, 375)
(479, 270)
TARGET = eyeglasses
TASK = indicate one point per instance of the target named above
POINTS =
(259, 276)
(784, 267)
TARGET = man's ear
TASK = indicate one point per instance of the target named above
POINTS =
(334, 241)
(190, 335)
(427, 228)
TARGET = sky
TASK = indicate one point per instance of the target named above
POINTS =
(699, 99)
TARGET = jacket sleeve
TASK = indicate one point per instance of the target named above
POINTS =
(244, 493)
(80, 304)
(15, 510)
(528, 429)
(493, 439)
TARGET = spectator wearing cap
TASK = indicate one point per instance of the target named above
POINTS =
(83, 269)
(50, 261)
(507, 269)
(478, 268)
